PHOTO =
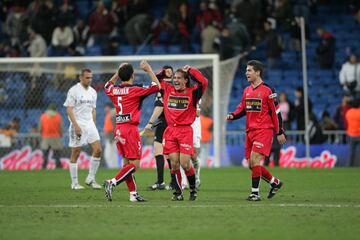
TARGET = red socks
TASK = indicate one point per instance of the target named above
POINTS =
(126, 174)
(190, 172)
(256, 171)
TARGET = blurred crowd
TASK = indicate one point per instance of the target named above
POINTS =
(55, 27)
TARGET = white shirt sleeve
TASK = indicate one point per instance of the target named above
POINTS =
(95, 96)
(70, 99)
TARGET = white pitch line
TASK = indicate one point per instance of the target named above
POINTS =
(137, 205)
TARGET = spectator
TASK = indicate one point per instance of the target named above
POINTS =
(325, 51)
(273, 44)
(350, 76)
(67, 12)
(101, 23)
(286, 109)
(207, 15)
(11, 130)
(353, 131)
(208, 36)
(138, 28)
(295, 32)
(300, 108)
(44, 22)
(51, 130)
(16, 24)
(81, 37)
(239, 34)
(62, 38)
(327, 122)
(37, 47)
(33, 139)
(282, 12)
(225, 44)
(315, 132)
(340, 112)
(184, 27)
(301, 9)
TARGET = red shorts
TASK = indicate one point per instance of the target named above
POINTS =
(178, 139)
(259, 141)
(128, 141)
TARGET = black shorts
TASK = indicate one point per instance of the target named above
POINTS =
(159, 131)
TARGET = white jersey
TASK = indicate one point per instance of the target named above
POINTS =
(197, 129)
(83, 100)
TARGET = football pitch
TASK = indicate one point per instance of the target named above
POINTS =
(313, 204)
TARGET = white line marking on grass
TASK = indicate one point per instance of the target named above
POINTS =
(137, 205)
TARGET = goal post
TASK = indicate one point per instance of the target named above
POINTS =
(57, 74)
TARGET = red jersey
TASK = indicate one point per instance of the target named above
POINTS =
(261, 108)
(127, 99)
(180, 106)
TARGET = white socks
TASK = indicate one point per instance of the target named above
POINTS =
(94, 165)
(73, 173)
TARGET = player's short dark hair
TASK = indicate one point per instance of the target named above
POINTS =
(84, 70)
(125, 72)
(185, 75)
(257, 66)
(168, 67)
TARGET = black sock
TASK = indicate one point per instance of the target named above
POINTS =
(191, 180)
(255, 185)
(160, 168)
(169, 163)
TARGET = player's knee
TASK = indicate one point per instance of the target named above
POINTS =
(97, 151)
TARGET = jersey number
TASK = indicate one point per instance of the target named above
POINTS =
(120, 105)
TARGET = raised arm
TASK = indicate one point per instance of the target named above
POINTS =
(110, 84)
(197, 76)
(144, 65)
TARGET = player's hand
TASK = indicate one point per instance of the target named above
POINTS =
(148, 132)
(148, 126)
(77, 131)
(229, 117)
(144, 65)
(281, 139)
(186, 68)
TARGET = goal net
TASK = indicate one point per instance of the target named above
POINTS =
(29, 85)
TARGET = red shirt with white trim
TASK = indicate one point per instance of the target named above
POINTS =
(260, 105)
(127, 99)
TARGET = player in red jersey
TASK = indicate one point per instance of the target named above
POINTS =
(180, 101)
(127, 99)
(259, 104)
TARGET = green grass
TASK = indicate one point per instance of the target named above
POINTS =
(314, 204)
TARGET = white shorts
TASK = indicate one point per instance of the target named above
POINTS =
(89, 134)
(197, 132)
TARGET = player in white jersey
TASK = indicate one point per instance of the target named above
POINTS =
(196, 126)
(195, 158)
(81, 109)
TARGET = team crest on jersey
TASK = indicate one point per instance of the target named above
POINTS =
(253, 104)
(258, 94)
(178, 102)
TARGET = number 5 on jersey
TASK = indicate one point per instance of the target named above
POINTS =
(120, 105)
